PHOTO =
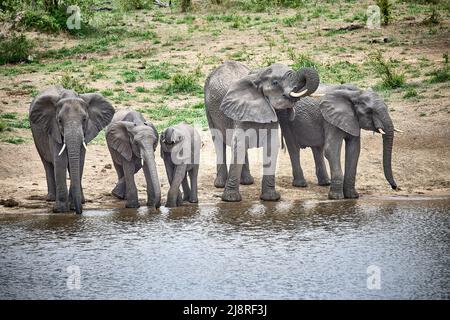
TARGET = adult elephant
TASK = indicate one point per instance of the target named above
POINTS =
(339, 115)
(63, 122)
(241, 110)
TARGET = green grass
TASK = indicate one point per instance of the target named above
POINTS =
(14, 140)
(156, 71)
(15, 49)
(74, 82)
(129, 76)
(440, 75)
(386, 69)
(12, 120)
(140, 89)
(410, 93)
(292, 20)
(164, 117)
(183, 83)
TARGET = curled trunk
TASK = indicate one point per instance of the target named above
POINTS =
(309, 78)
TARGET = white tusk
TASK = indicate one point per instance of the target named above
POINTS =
(317, 95)
(62, 150)
(84, 145)
(381, 131)
(298, 94)
(398, 130)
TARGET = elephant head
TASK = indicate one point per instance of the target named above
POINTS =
(140, 140)
(257, 96)
(351, 109)
(72, 120)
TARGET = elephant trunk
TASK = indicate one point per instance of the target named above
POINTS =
(388, 141)
(151, 177)
(309, 77)
(74, 140)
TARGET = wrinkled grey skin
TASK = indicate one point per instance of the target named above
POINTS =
(305, 130)
(238, 98)
(345, 110)
(132, 142)
(59, 116)
(180, 150)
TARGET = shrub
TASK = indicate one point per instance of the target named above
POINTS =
(440, 75)
(129, 5)
(385, 10)
(41, 21)
(15, 49)
(184, 83)
(386, 70)
(71, 82)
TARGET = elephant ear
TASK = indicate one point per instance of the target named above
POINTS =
(100, 112)
(245, 101)
(337, 109)
(43, 114)
(118, 138)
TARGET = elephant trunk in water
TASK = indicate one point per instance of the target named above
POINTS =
(151, 177)
(73, 138)
(388, 140)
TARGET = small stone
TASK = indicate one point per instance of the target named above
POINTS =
(108, 166)
(35, 184)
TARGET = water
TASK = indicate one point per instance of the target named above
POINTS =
(285, 250)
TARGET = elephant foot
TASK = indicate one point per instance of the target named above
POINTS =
(299, 183)
(270, 195)
(132, 204)
(231, 195)
(247, 179)
(324, 182)
(119, 191)
(193, 200)
(220, 181)
(186, 197)
(61, 207)
(351, 194)
(173, 204)
(333, 195)
(50, 197)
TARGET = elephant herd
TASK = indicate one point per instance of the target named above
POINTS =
(244, 109)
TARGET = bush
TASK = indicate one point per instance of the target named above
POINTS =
(41, 21)
(440, 75)
(129, 5)
(385, 10)
(76, 84)
(184, 83)
(15, 49)
(385, 68)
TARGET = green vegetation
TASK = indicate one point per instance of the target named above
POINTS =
(13, 140)
(15, 49)
(385, 10)
(183, 83)
(410, 93)
(386, 70)
(440, 75)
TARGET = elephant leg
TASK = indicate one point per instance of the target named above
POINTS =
(294, 155)
(60, 169)
(352, 149)
(119, 190)
(179, 174)
(186, 188)
(51, 185)
(270, 155)
(170, 170)
(246, 177)
(231, 192)
(333, 145)
(221, 161)
(130, 185)
(193, 174)
(321, 169)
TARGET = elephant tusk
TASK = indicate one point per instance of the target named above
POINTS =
(317, 95)
(84, 145)
(62, 150)
(381, 131)
(398, 130)
(298, 94)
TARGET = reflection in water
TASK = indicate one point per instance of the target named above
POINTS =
(287, 250)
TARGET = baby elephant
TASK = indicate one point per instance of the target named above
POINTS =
(131, 141)
(180, 150)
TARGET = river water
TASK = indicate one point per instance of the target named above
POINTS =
(366, 249)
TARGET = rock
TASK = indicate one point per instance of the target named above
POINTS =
(9, 203)
(35, 184)
(108, 166)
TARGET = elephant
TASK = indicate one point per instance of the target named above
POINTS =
(300, 129)
(132, 142)
(180, 150)
(240, 108)
(62, 123)
(340, 114)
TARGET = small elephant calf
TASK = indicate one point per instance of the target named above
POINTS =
(180, 150)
